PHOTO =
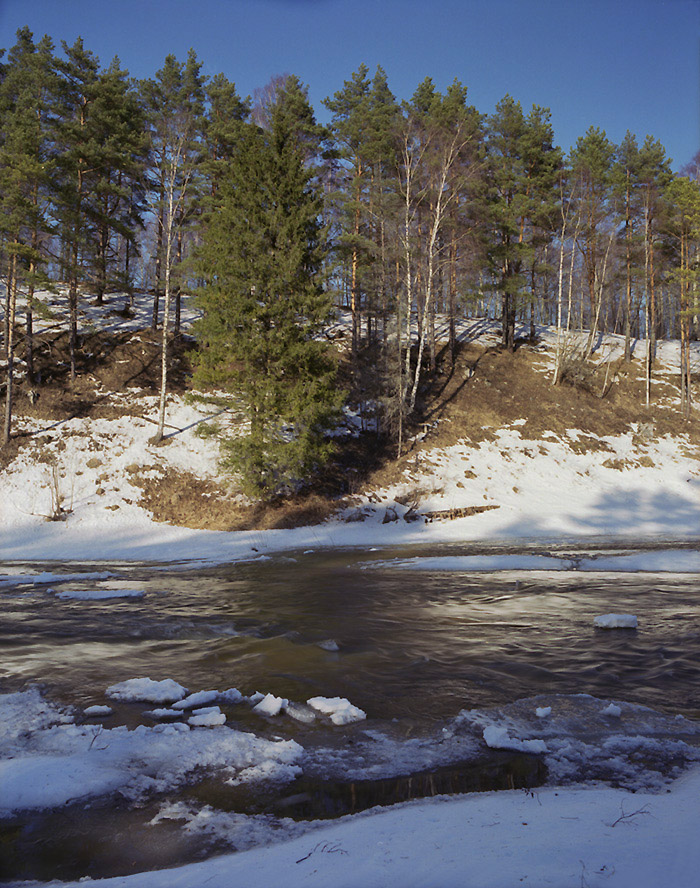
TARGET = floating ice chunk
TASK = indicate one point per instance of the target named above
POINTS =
(232, 695)
(499, 738)
(201, 698)
(255, 698)
(615, 621)
(98, 711)
(163, 714)
(340, 710)
(207, 718)
(612, 710)
(270, 705)
(301, 713)
(543, 711)
(145, 690)
(99, 594)
(329, 645)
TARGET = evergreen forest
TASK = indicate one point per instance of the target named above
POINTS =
(406, 216)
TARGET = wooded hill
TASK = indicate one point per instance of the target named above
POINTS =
(399, 212)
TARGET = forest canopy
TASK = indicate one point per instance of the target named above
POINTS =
(406, 215)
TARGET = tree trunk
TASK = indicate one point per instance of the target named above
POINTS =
(159, 256)
(10, 307)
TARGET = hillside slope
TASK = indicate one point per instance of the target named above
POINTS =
(497, 453)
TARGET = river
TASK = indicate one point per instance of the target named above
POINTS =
(403, 638)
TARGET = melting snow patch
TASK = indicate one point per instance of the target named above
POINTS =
(615, 621)
(340, 710)
(145, 690)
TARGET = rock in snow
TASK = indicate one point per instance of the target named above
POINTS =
(615, 621)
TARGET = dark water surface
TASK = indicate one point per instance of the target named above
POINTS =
(411, 643)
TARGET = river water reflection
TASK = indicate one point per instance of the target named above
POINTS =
(411, 643)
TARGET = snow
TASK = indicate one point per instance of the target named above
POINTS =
(615, 621)
(612, 710)
(340, 710)
(145, 690)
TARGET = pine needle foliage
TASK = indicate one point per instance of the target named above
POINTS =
(263, 306)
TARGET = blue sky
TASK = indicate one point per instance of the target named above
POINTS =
(615, 64)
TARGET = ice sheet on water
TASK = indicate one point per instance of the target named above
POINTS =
(200, 698)
(99, 594)
(615, 621)
(591, 739)
(46, 760)
(241, 831)
(42, 578)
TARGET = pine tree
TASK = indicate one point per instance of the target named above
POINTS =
(118, 203)
(683, 226)
(25, 96)
(263, 304)
(80, 157)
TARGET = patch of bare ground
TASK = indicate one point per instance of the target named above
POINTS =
(182, 499)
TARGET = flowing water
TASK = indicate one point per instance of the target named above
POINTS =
(410, 647)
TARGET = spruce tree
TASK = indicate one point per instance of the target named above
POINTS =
(263, 305)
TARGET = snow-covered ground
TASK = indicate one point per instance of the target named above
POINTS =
(639, 489)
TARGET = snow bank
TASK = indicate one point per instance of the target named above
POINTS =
(594, 836)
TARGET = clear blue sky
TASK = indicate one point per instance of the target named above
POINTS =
(615, 64)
